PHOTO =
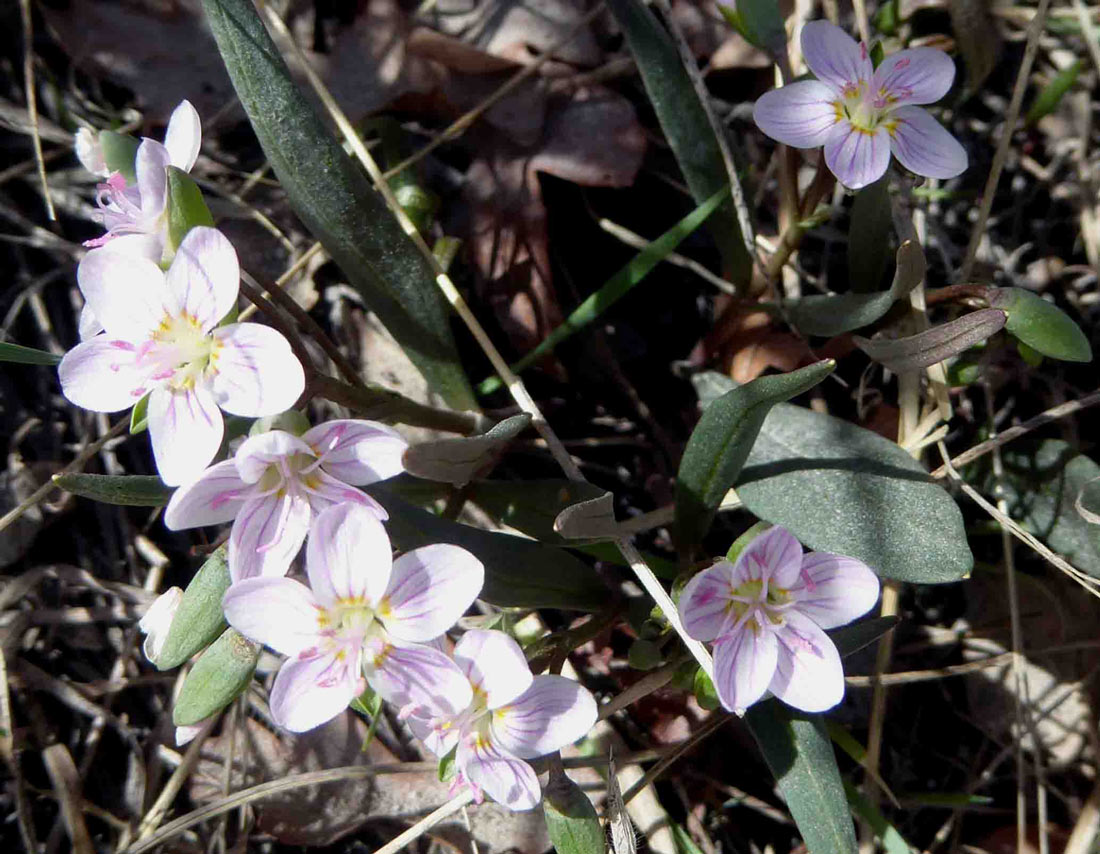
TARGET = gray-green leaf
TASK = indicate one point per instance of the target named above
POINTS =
(221, 674)
(1041, 325)
(571, 819)
(458, 461)
(199, 619)
(933, 345)
(131, 490)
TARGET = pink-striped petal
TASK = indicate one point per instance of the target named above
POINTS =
(183, 136)
(186, 430)
(217, 496)
(417, 679)
(150, 168)
(920, 75)
(835, 57)
(158, 621)
(494, 664)
(800, 114)
(101, 374)
(357, 452)
(509, 781)
(775, 555)
(266, 535)
(834, 589)
(552, 713)
(744, 664)
(857, 157)
(258, 453)
(205, 276)
(348, 555)
(326, 491)
(310, 692)
(808, 672)
(127, 294)
(704, 604)
(278, 612)
(922, 145)
(257, 374)
(429, 589)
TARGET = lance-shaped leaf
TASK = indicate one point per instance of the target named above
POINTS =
(856, 636)
(1047, 101)
(800, 755)
(131, 490)
(221, 674)
(458, 461)
(186, 207)
(199, 619)
(26, 355)
(1041, 324)
(933, 345)
(571, 820)
(589, 520)
(869, 233)
(685, 125)
(336, 201)
(833, 314)
(722, 440)
(519, 573)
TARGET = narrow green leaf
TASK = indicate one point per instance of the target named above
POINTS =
(448, 766)
(131, 490)
(1051, 96)
(933, 345)
(759, 22)
(571, 820)
(615, 288)
(139, 416)
(722, 440)
(739, 545)
(1041, 325)
(221, 674)
(843, 489)
(458, 461)
(869, 236)
(892, 841)
(800, 755)
(186, 207)
(519, 573)
(855, 636)
(685, 125)
(706, 695)
(680, 837)
(26, 355)
(120, 153)
(949, 800)
(336, 201)
(199, 619)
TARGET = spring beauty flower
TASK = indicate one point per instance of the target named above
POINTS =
(367, 616)
(162, 339)
(506, 716)
(861, 114)
(766, 615)
(276, 485)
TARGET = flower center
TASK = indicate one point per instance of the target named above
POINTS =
(349, 622)
(757, 604)
(289, 470)
(180, 351)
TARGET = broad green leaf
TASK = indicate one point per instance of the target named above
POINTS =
(685, 125)
(336, 202)
(120, 153)
(457, 461)
(186, 207)
(644, 655)
(571, 820)
(1047, 101)
(843, 489)
(892, 841)
(832, 314)
(131, 490)
(855, 636)
(722, 440)
(870, 232)
(26, 355)
(199, 619)
(1041, 325)
(448, 767)
(519, 573)
(706, 695)
(759, 21)
(615, 288)
(221, 674)
(800, 755)
(139, 416)
(933, 345)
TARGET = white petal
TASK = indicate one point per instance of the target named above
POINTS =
(257, 374)
(552, 713)
(922, 145)
(150, 166)
(88, 326)
(348, 555)
(494, 664)
(800, 114)
(186, 429)
(834, 589)
(704, 604)
(857, 157)
(744, 664)
(429, 589)
(808, 675)
(357, 452)
(266, 535)
(310, 692)
(920, 75)
(417, 679)
(205, 276)
(158, 620)
(325, 491)
(183, 136)
(278, 612)
(215, 497)
(258, 452)
(101, 375)
(127, 294)
(509, 781)
(90, 153)
(775, 555)
(186, 734)
(834, 56)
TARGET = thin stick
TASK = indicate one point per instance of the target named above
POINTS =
(713, 722)
(425, 824)
(1034, 30)
(636, 241)
(32, 103)
(912, 676)
(287, 275)
(861, 21)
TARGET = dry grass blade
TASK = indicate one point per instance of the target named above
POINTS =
(32, 103)
(623, 840)
(66, 785)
